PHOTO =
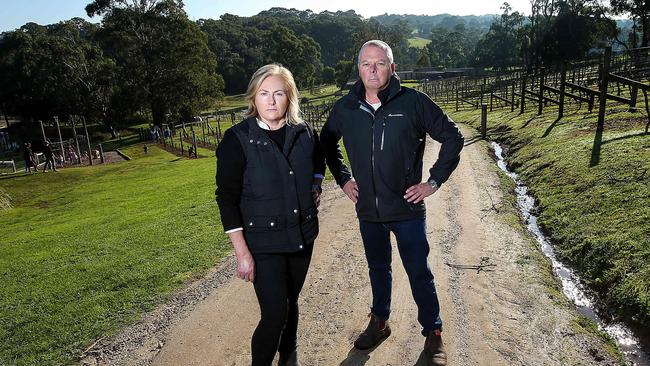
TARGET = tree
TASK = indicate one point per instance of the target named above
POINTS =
(244, 44)
(424, 60)
(55, 70)
(299, 53)
(395, 35)
(163, 57)
(452, 48)
(500, 48)
(565, 29)
(328, 75)
(640, 12)
(577, 28)
(344, 70)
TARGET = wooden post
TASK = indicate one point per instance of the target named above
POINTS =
(483, 120)
(4, 113)
(522, 105)
(90, 152)
(562, 86)
(456, 99)
(42, 131)
(180, 137)
(58, 128)
(604, 83)
(491, 98)
(540, 99)
(203, 130)
(194, 143)
(634, 91)
(76, 140)
(164, 138)
(512, 96)
(101, 154)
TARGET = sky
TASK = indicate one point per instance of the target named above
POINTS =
(15, 13)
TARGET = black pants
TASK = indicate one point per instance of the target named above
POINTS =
(278, 281)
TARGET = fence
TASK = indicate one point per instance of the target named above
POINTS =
(207, 131)
(613, 77)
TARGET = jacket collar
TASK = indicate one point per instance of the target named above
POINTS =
(358, 92)
(292, 132)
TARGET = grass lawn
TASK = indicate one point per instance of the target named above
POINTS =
(86, 250)
(593, 193)
(418, 42)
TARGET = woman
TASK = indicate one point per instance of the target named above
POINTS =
(28, 155)
(269, 174)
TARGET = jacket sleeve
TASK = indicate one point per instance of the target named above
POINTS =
(230, 178)
(329, 139)
(442, 129)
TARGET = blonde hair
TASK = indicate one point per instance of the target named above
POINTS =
(292, 115)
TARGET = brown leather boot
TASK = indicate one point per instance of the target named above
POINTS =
(376, 330)
(435, 349)
(290, 360)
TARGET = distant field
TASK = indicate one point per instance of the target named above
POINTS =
(418, 42)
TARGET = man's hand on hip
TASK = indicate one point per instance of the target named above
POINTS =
(351, 190)
(418, 192)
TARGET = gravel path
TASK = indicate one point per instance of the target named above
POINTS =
(509, 315)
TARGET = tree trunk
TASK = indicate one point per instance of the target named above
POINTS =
(644, 23)
(157, 113)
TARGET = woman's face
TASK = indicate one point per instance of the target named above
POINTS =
(271, 100)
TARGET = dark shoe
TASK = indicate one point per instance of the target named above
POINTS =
(376, 330)
(290, 360)
(435, 349)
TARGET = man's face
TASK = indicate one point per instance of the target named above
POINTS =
(374, 68)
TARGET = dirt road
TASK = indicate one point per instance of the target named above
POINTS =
(512, 315)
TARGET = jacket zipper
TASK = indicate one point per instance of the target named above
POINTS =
(372, 157)
(383, 127)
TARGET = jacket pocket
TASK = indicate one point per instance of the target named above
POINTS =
(256, 224)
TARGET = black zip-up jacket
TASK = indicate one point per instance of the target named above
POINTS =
(385, 148)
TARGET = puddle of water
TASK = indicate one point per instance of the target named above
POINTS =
(572, 287)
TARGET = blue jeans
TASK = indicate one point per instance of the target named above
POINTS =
(413, 249)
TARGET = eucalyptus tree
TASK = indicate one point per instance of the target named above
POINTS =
(639, 11)
(55, 70)
(165, 65)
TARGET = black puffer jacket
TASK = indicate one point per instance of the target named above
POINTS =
(385, 148)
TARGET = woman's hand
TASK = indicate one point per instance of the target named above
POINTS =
(316, 191)
(246, 266)
(245, 261)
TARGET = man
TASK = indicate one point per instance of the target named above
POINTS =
(384, 127)
(49, 157)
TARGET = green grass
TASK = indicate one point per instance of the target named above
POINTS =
(418, 42)
(593, 194)
(86, 250)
